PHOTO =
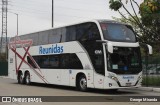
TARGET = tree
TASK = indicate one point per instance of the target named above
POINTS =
(150, 17)
(3, 57)
(148, 23)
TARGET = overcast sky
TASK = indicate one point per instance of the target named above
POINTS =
(35, 15)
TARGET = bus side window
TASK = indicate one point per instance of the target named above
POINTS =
(68, 34)
(54, 61)
(87, 31)
(75, 63)
(43, 37)
(94, 33)
(70, 61)
(63, 36)
(64, 61)
(55, 36)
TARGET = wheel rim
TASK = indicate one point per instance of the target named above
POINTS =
(83, 83)
(21, 79)
(27, 79)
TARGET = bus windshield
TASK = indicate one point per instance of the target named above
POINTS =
(118, 32)
(125, 60)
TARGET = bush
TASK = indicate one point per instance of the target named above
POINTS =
(151, 80)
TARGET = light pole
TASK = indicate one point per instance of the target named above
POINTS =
(17, 23)
(17, 20)
(52, 13)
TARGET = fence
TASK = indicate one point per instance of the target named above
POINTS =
(151, 71)
(3, 68)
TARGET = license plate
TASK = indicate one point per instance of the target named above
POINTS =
(128, 84)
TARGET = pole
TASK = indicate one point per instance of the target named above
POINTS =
(17, 24)
(17, 20)
(52, 13)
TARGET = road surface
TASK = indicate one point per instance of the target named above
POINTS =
(9, 87)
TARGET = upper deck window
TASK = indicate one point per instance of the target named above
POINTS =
(118, 32)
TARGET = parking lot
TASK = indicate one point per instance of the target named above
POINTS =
(9, 87)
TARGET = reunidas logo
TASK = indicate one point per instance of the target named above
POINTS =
(51, 50)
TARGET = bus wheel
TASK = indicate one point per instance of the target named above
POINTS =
(20, 78)
(27, 79)
(82, 83)
(113, 90)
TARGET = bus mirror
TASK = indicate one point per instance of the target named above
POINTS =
(150, 50)
(147, 48)
(101, 41)
(110, 47)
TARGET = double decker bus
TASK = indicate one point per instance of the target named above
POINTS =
(100, 54)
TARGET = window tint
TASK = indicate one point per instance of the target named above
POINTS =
(55, 36)
(61, 61)
(71, 61)
(71, 33)
(118, 32)
(30, 62)
(95, 51)
(80, 32)
(87, 31)
(68, 33)
(43, 37)
(45, 61)
(87, 34)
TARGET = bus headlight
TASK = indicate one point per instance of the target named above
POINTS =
(113, 77)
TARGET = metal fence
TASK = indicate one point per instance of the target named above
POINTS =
(151, 71)
(3, 68)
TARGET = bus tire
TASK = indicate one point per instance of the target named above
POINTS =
(82, 83)
(113, 90)
(20, 78)
(27, 79)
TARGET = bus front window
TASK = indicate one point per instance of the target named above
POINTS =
(124, 60)
(118, 32)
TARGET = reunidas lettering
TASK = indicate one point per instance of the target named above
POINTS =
(50, 50)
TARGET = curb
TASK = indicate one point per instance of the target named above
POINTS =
(149, 89)
(4, 77)
(146, 88)
(156, 89)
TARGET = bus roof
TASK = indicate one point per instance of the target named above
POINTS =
(96, 20)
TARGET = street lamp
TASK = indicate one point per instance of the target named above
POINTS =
(52, 13)
(17, 20)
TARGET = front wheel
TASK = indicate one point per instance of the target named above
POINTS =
(82, 83)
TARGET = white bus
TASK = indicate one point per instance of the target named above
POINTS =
(99, 54)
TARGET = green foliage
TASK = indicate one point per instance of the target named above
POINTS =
(3, 57)
(151, 80)
(147, 25)
(115, 4)
(150, 12)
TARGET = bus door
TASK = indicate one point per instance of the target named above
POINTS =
(99, 69)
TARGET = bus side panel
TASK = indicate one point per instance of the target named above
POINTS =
(65, 77)
(90, 79)
(109, 83)
(53, 76)
(87, 67)
(98, 81)
(11, 65)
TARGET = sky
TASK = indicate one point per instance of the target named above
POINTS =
(35, 15)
